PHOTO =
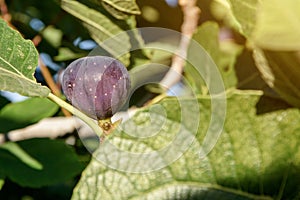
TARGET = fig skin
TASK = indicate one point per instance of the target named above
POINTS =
(98, 85)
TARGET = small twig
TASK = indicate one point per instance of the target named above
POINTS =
(49, 80)
(5, 15)
(191, 14)
(4, 11)
(36, 40)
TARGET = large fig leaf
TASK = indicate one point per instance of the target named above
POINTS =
(18, 61)
(256, 156)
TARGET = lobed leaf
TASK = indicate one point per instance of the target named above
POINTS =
(18, 61)
(256, 156)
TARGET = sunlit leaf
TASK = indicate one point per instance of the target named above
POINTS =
(256, 156)
(245, 13)
(277, 27)
(222, 10)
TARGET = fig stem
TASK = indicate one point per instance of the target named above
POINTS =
(107, 127)
(77, 113)
(105, 124)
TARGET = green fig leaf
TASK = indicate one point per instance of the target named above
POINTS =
(18, 61)
(256, 156)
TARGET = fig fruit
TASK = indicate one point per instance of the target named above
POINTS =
(98, 85)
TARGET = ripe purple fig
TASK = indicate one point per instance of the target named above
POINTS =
(98, 85)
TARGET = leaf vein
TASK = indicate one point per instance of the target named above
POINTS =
(11, 66)
(234, 160)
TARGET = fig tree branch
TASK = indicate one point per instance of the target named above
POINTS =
(191, 14)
